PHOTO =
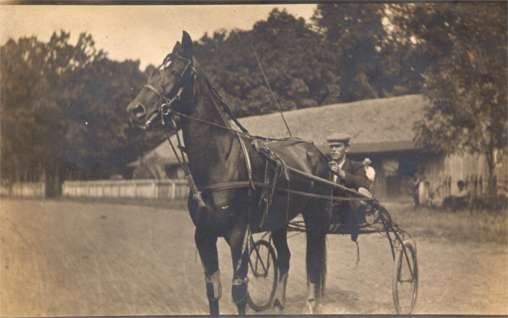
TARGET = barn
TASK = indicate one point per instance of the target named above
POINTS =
(382, 130)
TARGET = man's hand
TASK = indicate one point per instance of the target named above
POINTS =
(334, 166)
(341, 173)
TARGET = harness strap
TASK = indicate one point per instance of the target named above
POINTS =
(196, 194)
(226, 107)
(245, 245)
(247, 161)
(275, 180)
(156, 91)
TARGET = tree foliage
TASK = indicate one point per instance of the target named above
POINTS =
(343, 55)
(356, 33)
(465, 46)
(290, 54)
(33, 75)
(63, 109)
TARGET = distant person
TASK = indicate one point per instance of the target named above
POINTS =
(423, 192)
(414, 184)
(460, 200)
(352, 174)
(436, 197)
(370, 172)
(462, 197)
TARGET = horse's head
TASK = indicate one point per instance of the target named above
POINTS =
(167, 91)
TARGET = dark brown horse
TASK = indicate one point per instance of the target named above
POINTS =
(179, 96)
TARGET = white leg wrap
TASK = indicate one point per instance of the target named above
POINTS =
(312, 301)
(214, 281)
(280, 294)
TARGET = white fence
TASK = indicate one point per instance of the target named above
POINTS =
(151, 189)
(24, 189)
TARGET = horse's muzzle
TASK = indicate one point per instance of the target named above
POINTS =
(140, 118)
(138, 111)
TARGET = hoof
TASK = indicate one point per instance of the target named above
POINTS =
(280, 293)
(278, 305)
(311, 307)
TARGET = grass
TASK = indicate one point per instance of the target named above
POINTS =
(464, 225)
(459, 226)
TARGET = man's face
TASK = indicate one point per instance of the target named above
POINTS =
(338, 151)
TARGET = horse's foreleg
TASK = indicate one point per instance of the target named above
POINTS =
(206, 243)
(284, 255)
(237, 242)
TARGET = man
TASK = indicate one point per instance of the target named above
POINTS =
(352, 174)
(460, 200)
(413, 189)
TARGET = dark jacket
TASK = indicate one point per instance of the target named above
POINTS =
(347, 212)
(355, 175)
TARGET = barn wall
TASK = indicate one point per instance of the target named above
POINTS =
(443, 172)
(394, 171)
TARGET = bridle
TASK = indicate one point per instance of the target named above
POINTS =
(165, 108)
(168, 113)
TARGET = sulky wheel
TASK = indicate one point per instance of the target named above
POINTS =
(405, 279)
(262, 275)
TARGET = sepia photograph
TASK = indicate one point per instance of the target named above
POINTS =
(164, 158)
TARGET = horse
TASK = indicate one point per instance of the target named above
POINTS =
(179, 97)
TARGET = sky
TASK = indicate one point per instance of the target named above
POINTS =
(143, 32)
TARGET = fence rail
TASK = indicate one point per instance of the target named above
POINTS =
(152, 189)
(24, 189)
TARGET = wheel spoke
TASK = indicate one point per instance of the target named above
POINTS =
(405, 280)
(262, 275)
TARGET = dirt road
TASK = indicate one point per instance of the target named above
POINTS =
(67, 258)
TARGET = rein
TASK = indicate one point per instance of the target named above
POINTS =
(165, 111)
(233, 185)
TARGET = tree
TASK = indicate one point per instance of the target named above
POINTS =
(97, 140)
(34, 75)
(356, 32)
(466, 77)
(63, 112)
(295, 60)
(347, 53)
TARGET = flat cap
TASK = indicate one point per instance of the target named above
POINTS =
(338, 138)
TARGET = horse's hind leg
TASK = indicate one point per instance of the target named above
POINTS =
(206, 243)
(284, 255)
(237, 240)
(316, 222)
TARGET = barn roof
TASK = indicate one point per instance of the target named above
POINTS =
(377, 125)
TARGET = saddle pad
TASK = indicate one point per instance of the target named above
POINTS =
(281, 154)
(294, 152)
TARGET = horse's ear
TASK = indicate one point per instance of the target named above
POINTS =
(187, 45)
(177, 48)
